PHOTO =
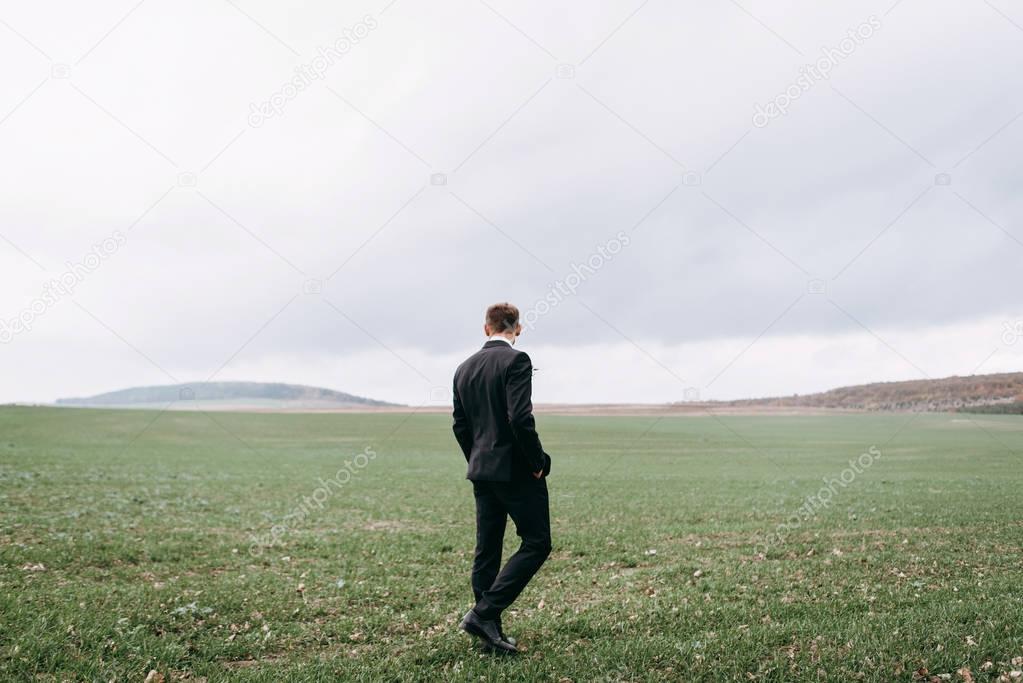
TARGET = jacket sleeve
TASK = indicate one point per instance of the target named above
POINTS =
(519, 388)
(461, 426)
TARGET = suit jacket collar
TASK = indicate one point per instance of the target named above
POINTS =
(494, 343)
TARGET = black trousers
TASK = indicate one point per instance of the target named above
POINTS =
(527, 505)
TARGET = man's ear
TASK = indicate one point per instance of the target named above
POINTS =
(486, 330)
(518, 329)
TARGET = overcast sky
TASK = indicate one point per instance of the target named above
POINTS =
(709, 216)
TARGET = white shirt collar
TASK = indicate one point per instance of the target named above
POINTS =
(500, 337)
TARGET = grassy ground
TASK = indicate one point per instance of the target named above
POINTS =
(127, 544)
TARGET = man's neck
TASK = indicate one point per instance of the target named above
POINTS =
(510, 340)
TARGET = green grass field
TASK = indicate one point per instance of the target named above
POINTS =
(127, 544)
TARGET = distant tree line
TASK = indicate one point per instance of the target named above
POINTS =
(998, 394)
(1015, 408)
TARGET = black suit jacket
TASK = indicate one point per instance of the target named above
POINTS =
(493, 415)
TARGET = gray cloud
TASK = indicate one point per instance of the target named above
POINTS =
(652, 134)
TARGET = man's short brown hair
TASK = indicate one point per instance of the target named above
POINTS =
(502, 318)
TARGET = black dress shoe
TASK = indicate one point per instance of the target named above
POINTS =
(507, 639)
(488, 631)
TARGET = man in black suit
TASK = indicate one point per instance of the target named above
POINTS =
(494, 426)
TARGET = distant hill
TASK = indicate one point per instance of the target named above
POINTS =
(1001, 393)
(234, 395)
